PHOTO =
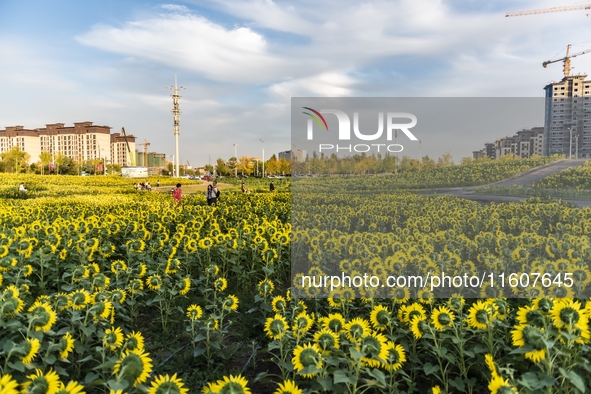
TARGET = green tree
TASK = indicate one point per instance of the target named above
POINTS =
(15, 160)
(45, 158)
(271, 166)
(445, 160)
(222, 168)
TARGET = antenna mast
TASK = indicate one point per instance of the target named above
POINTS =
(176, 115)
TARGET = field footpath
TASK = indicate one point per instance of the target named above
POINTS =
(526, 179)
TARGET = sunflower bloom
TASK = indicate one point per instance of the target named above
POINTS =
(166, 384)
(308, 355)
(288, 387)
(134, 366)
(42, 383)
(8, 385)
(31, 346)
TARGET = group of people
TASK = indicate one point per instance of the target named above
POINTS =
(212, 193)
(143, 186)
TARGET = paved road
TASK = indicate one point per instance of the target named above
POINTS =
(530, 177)
(527, 178)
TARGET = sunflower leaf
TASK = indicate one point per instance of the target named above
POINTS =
(574, 378)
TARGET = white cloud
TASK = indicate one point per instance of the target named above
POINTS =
(332, 84)
(193, 43)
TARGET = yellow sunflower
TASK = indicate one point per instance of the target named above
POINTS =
(373, 346)
(113, 338)
(232, 384)
(395, 357)
(154, 282)
(265, 287)
(308, 357)
(531, 315)
(278, 304)
(302, 324)
(480, 315)
(71, 388)
(166, 384)
(220, 284)
(30, 348)
(276, 327)
(326, 340)
(488, 358)
(357, 329)
(118, 267)
(10, 386)
(42, 317)
(66, 345)
(498, 385)
(42, 383)
(442, 318)
(118, 296)
(334, 322)
(568, 313)
(230, 303)
(134, 341)
(135, 286)
(288, 387)
(380, 317)
(409, 312)
(534, 337)
(134, 366)
(418, 327)
(185, 286)
(194, 312)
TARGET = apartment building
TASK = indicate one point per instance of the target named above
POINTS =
(567, 123)
(81, 142)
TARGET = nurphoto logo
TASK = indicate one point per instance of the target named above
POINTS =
(344, 130)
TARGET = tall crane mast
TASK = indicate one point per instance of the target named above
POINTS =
(145, 145)
(549, 10)
(566, 60)
(131, 156)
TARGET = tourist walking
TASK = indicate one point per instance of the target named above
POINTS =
(177, 194)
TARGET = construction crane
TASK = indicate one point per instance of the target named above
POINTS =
(549, 10)
(128, 149)
(145, 145)
(566, 60)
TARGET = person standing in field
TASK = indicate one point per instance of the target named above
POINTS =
(272, 186)
(215, 193)
(209, 194)
(177, 194)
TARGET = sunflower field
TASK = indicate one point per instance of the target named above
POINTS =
(104, 289)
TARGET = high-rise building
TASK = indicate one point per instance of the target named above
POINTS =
(296, 155)
(122, 149)
(568, 113)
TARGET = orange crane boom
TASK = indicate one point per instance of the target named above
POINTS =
(566, 60)
(549, 10)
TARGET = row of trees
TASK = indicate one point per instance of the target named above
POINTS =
(368, 164)
(17, 161)
(248, 166)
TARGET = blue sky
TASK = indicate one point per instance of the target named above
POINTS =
(242, 61)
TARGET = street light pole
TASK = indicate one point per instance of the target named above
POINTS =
(572, 125)
(263, 156)
(420, 154)
(570, 149)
